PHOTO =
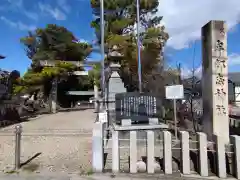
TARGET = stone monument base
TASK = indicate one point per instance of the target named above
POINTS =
(144, 121)
(136, 127)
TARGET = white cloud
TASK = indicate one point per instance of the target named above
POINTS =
(18, 25)
(184, 18)
(54, 12)
(31, 15)
(187, 72)
(18, 6)
(83, 41)
(23, 26)
(234, 59)
(64, 5)
(18, 3)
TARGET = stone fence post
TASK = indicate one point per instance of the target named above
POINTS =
(221, 158)
(185, 155)
(96, 97)
(167, 152)
(203, 157)
(235, 140)
(97, 147)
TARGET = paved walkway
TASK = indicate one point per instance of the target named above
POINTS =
(61, 143)
(99, 177)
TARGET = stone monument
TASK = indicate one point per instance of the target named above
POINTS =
(215, 80)
(138, 108)
(53, 96)
(115, 85)
(96, 97)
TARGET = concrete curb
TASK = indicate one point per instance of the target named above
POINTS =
(100, 176)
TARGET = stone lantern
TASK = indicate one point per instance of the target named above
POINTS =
(114, 55)
(114, 82)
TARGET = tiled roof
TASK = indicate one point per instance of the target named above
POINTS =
(4, 73)
(234, 77)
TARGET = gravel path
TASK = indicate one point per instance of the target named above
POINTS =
(62, 142)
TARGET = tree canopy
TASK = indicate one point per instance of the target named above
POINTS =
(120, 31)
(52, 43)
(94, 75)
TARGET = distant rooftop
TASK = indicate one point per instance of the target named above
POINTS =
(233, 77)
(81, 93)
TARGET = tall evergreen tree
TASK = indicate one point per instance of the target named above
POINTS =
(56, 44)
(120, 30)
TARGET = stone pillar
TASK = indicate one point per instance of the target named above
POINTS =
(96, 97)
(115, 85)
(235, 140)
(133, 152)
(167, 152)
(215, 80)
(203, 157)
(150, 152)
(97, 147)
(185, 155)
(221, 158)
(115, 152)
(53, 96)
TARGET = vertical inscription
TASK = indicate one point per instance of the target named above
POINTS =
(220, 64)
(220, 70)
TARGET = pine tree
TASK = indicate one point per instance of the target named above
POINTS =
(53, 43)
(120, 31)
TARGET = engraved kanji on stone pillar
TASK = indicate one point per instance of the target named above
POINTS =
(215, 79)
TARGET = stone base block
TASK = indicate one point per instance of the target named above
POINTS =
(130, 127)
(153, 121)
(141, 166)
(126, 122)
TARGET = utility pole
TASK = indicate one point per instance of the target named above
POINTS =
(139, 49)
(102, 46)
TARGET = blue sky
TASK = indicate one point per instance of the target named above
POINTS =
(189, 59)
(19, 16)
